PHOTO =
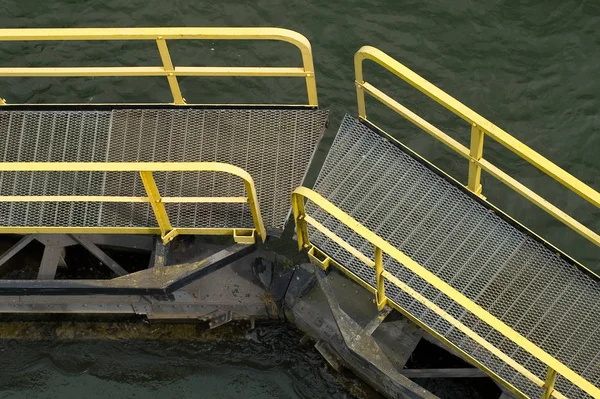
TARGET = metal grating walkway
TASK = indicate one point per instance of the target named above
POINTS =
(273, 145)
(507, 272)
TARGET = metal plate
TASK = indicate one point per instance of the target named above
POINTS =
(506, 271)
(273, 145)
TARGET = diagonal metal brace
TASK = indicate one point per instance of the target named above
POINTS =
(377, 320)
(12, 251)
(99, 254)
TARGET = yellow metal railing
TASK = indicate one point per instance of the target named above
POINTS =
(480, 127)
(381, 246)
(168, 70)
(145, 170)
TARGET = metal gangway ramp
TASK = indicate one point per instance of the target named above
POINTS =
(73, 168)
(78, 171)
(435, 250)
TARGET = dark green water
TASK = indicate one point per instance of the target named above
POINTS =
(266, 363)
(529, 66)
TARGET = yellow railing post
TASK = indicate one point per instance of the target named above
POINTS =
(157, 206)
(360, 91)
(311, 82)
(2, 101)
(475, 155)
(311, 88)
(168, 66)
(360, 100)
(308, 68)
(549, 384)
(301, 226)
(254, 207)
(380, 297)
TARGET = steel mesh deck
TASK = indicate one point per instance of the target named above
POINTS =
(274, 146)
(507, 272)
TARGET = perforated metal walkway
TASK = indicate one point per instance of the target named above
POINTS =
(503, 269)
(273, 145)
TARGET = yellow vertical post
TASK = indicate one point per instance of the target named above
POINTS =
(255, 210)
(360, 100)
(475, 154)
(549, 384)
(380, 295)
(359, 80)
(301, 226)
(170, 69)
(311, 88)
(2, 101)
(166, 230)
(309, 70)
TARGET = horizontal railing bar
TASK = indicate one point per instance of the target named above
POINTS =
(540, 201)
(82, 71)
(167, 33)
(151, 71)
(122, 167)
(416, 119)
(183, 200)
(116, 230)
(70, 198)
(138, 104)
(335, 238)
(448, 290)
(241, 71)
(458, 108)
(111, 198)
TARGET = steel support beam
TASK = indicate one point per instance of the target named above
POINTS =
(49, 262)
(159, 281)
(444, 373)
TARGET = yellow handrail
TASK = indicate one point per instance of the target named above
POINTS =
(161, 35)
(145, 169)
(302, 221)
(480, 127)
